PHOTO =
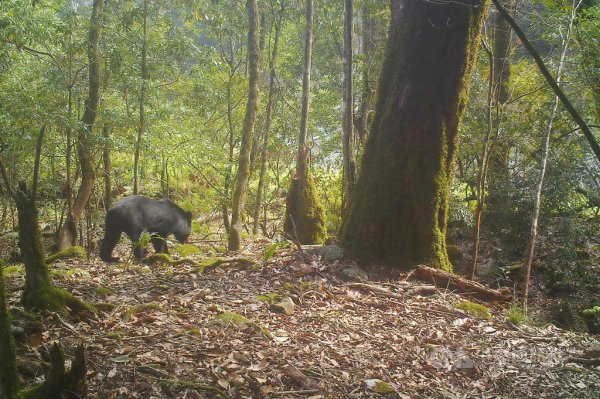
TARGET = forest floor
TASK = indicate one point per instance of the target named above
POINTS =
(176, 333)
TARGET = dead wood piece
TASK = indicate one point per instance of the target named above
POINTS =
(377, 291)
(424, 290)
(585, 362)
(299, 378)
(461, 285)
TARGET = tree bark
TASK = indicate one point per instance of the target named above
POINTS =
(67, 235)
(304, 217)
(544, 161)
(142, 104)
(349, 162)
(398, 213)
(268, 119)
(243, 173)
(502, 55)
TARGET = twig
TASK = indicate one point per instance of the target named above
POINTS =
(65, 324)
(301, 392)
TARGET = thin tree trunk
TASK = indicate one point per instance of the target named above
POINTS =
(551, 82)
(243, 173)
(398, 212)
(349, 162)
(544, 160)
(142, 104)
(484, 160)
(304, 218)
(268, 119)
(301, 162)
(107, 165)
(68, 232)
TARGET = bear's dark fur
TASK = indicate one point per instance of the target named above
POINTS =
(134, 214)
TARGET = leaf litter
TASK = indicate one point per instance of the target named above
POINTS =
(175, 332)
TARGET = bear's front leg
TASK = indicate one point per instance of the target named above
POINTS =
(160, 245)
(138, 251)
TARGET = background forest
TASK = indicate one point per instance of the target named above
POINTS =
(154, 102)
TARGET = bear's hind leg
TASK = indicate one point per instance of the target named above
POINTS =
(111, 237)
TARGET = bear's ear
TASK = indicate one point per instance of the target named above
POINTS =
(189, 215)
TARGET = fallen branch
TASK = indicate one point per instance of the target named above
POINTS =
(586, 362)
(377, 291)
(461, 285)
(299, 378)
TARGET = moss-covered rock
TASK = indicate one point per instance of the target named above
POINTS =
(75, 252)
(232, 318)
(186, 250)
(269, 297)
(474, 309)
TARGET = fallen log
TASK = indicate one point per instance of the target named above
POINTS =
(461, 285)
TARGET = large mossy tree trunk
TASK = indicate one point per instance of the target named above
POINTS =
(304, 216)
(398, 213)
(67, 234)
(243, 174)
(8, 364)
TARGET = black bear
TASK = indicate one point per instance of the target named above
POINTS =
(134, 214)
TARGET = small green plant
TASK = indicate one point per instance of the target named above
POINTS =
(474, 309)
(515, 315)
(591, 311)
(270, 250)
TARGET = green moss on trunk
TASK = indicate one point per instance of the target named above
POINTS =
(305, 212)
(39, 292)
(399, 208)
(8, 365)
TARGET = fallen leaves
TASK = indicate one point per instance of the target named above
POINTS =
(177, 333)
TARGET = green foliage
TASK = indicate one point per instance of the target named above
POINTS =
(591, 311)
